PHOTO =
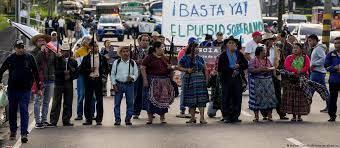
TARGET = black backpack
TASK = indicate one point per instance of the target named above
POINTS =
(119, 60)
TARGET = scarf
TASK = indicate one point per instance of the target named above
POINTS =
(232, 59)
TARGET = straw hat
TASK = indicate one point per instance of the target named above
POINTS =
(119, 50)
(34, 39)
(65, 47)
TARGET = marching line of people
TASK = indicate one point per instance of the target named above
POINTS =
(277, 74)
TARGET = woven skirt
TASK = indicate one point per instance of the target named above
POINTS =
(195, 92)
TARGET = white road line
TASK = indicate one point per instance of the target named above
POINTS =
(246, 113)
(30, 128)
(296, 142)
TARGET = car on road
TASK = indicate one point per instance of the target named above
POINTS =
(110, 26)
(304, 30)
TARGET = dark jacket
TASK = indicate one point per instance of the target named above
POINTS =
(85, 66)
(332, 59)
(46, 63)
(23, 71)
(72, 66)
(223, 65)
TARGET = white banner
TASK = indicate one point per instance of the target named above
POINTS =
(195, 18)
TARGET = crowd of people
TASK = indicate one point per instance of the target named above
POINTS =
(278, 71)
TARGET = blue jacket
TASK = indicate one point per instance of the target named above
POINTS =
(332, 59)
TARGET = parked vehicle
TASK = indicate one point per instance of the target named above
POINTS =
(110, 26)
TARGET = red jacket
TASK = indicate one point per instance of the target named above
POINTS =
(288, 64)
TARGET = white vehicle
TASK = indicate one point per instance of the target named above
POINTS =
(294, 18)
(110, 26)
(304, 30)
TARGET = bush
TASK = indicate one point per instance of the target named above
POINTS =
(3, 23)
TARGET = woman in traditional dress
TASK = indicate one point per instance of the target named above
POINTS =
(156, 71)
(261, 87)
(293, 99)
(231, 65)
(194, 83)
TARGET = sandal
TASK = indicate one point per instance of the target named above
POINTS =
(191, 121)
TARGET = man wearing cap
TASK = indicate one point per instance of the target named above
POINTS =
(46, 60)
(154, 37)
(93, 67)
(66, 71)
(219, 39)
(138, 56)
(123, 75)
(252, 45)
(208, 42)
(318, 71)
(23, 70)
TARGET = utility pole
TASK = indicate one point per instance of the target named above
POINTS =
(280, 13)
(327, 18)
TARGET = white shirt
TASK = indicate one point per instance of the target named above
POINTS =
(123, 71)
(61, 22)
(250, 48)
(95, 74)
(271, 55)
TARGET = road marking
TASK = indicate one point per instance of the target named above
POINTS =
(296, 142)
(246, 113)
(30, 128)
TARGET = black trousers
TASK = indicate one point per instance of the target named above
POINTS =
(62, 91)
(93, 86)
(138, 98)
(231, 98)
(332, 103)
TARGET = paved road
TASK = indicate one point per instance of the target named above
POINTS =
(315, 132)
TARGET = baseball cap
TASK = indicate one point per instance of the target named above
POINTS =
(192, 40)
(53, 32)
(19, 44)
(256, 33)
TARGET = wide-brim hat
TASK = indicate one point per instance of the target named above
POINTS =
(38, 36)
(120, 49)
(268, 36)
(65, 47)
(230, 38)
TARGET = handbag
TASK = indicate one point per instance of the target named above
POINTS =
(3, 98)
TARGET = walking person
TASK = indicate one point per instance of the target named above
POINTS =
(332, 64)
(156, 70)
(293, 99)
(66, 71)
(70, 25)
(62, 24)
(23, 70)
(195, 92)
(261, 87)
(93, 67)
(79, 55)
(274, 56)
(231, 65)
(46, 60)
(318, 56)
(108, 52)
(124, 74)
(138, 55)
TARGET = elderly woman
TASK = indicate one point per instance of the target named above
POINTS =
(195, 92)
(231, 65)
(156, 71)
(261, 88)
(293, 99)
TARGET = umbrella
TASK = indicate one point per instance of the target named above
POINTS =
(30, 32)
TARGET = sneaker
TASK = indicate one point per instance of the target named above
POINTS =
(117, 123)
(88, 123)
(24, 139)
(135, 117)
(128, 123)
(39, 126)
(332, 119)
(13, 136)
(68, 124)
(99, 123)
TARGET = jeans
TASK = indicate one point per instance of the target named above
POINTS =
(128, 90)
(181, 97)
(318, 77)
(48, 91)
(81, 95)
(18, 99)
(332, 103)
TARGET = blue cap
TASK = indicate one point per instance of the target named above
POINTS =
(192, 40)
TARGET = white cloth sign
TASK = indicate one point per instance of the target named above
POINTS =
(195, 18)
(145, 27)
